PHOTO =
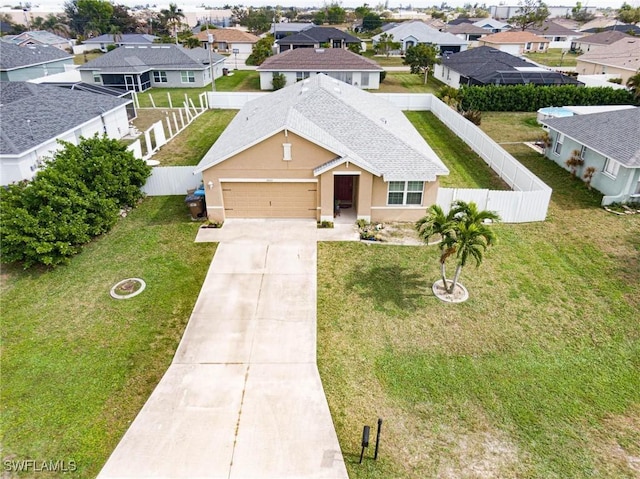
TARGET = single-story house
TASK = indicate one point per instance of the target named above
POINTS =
(492, 25)
(285, 29)
(163, 65)
(306, 149)
(229, 40)
(628, 28)
(35, 117)
(41, 37)
(605, 141)
(467, 32)
(125, 39)
(558, 36)
(596, 41)
(410, 34)
(301, 63)
(621, 58)
(26, 63)
(489, 66)
(317, 37)
(516, 43)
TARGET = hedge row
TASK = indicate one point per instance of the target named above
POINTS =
(532, 98)
(77, 196)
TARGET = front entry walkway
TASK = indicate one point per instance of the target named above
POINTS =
(242, 397)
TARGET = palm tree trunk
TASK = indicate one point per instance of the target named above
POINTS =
(456, 276)
(443, 273)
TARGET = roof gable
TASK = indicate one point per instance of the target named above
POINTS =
(352, 123)
(624, 54)
(423, 33)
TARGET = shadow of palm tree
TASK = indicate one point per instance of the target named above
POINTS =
(390, 287)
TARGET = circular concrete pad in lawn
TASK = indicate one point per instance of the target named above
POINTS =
(128, 288)
(459, 295)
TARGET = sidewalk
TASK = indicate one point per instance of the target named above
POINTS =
(242, 397)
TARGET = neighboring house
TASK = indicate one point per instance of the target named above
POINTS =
(229, 40)
(505, 12)
(343, 65)
(516, 43)
(410, 34)
(558, 36)
(489, 66)
(124, 39)
(467, 32)
(318, 37)
(598, 24)
(285, 29)
(492, 25)
(140, 67)
(596, 41)
(35, 117)
(41, 37)
(627, 28)
(26, 63)
(608, 142)
(301, 151)
(621, 58)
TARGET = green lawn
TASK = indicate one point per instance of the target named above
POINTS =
(405, 82)
(384, 61)
(83, 58)
(535, 376)
(77, 366)
(554, 58)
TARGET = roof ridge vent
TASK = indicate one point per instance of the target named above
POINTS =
(319, 50)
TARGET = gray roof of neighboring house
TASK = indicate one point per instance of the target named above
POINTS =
(466, 28)
(357, 126)
(315, 35)
(40, 36)
(291, 27)
(423, 33)
(604, 38)
(321, 59)
(139, 59)
(551, 28)
(132, 38)
(14, 56)
(623, 54)
(33, 114)
(614, 134)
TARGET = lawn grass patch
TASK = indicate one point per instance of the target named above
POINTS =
(553, 57)
(83, 58)
(383, 60)
(508, 127)
(241, 80)
(77, 365)
(466, 168)
(405, 82)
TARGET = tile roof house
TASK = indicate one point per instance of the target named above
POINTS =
(103, 41)
(608, 142)
(598, 40)
(415, 32)
(26, 63)
(621, 58)
(302, 150)
(41, 37)
(489, 66)
(162, 65)
(35, 117)
(317, 37)
(337, 63)
(516, 43)
(229, 39)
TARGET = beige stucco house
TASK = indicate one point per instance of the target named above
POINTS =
(302, 150)
(621, 58)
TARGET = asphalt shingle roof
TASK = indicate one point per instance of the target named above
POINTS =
(615, 134)
(318, 35)
(624, 53)
(33, 114)
(40, 36)
(423, 33)
(604, 38)
(14, 56)
(324, 59)
(139, 59)
(140, 38)
(356, 125)
(513, 38)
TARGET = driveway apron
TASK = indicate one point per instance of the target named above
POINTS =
(242, 397)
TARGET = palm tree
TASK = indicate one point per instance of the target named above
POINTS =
(634, 85)
(173, 16)
(464, 233)
(115, 32)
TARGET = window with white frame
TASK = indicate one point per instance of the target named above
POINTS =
(160, 77)
(97, 78)
(583, 152)
(405, 192)
(301, 76)
(187, 77)
(528, 47)
(611, 167)
(541, 46)
(557, 148)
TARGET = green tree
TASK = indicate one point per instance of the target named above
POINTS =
(580, 13)
(172, 17)
(279, 81)
(89, 17)
(320, 17)
(421, 58)
(532, 13)
(122, 19)
(361, 11)
(628, 14)
(633, 83)
(262, 49)
(257, 20)
(371, 21)
(464, 232)
(191, 42)
(386, 45)
(335, 14)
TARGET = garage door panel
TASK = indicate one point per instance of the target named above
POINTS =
(270, 200)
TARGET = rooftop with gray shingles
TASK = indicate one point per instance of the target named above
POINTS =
(356, 125)
(13, 56)
(614, 134)
(33, 114)
(131, 38)
(139, 59)
(321, 59)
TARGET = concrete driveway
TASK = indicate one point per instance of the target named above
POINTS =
(242, 397)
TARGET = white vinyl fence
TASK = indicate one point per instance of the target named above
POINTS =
(171, 180)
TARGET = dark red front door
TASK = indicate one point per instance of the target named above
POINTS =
(343, 189)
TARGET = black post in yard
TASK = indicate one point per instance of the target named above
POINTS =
(365, 441)
(375, 456)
